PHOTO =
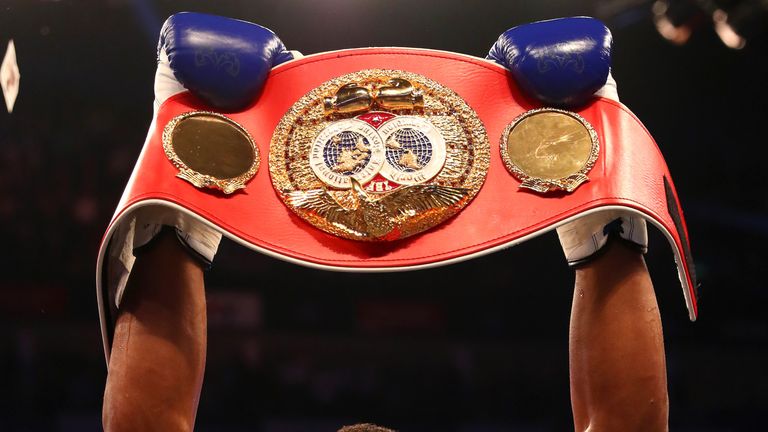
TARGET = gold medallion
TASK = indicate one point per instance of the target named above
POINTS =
(549, 149)
(211, 150)
(378, 155)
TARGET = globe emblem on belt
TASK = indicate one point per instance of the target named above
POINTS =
(415, 150)
(408, 150)
(347, 149)
(404, 150)
(347, 153)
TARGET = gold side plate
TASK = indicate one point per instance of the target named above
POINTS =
(550, 149)
(211, 150)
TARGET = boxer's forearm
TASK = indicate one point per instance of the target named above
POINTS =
(158, 351)
(618, 372)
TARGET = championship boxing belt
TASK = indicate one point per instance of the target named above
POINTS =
(391, 159)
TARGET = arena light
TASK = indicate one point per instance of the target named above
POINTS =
(9, 76)
(738, 23)
(675, 20)
(727, 33)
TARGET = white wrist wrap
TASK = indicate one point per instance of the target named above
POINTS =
(199, 237)
(584, 237)
(610, 89)
(143, 227)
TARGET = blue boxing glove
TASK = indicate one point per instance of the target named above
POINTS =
(561, 62)
(221, 60)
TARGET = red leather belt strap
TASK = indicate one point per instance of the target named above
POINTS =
(630, 174)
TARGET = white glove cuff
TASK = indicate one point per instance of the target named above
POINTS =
(145, 224)
(584, 237)
(166, 84)
(199, 237)
(609, 90)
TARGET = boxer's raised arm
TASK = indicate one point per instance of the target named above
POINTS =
(618, 372)
(157, 357)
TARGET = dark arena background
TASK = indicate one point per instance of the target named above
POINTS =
(480, 346)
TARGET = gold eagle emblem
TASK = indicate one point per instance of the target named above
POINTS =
(365, 215)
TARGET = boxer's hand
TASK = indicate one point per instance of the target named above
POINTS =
(560, 62)
(221, 60)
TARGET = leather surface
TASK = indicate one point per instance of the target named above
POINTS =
(562, 61)
(223, 60)
(629, 172)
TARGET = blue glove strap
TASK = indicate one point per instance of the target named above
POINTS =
(221, 60)
(560, 62)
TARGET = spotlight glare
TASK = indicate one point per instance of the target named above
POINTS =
(677, 34)
(727, 34)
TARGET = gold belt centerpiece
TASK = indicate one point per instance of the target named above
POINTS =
(378, 155)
